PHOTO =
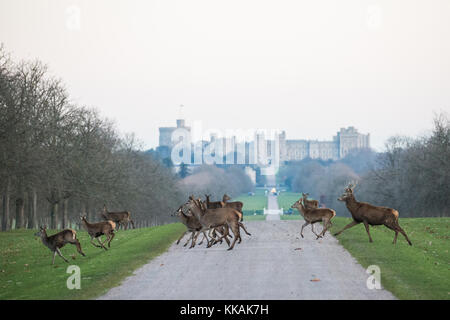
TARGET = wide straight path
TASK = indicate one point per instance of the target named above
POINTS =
(273, 263)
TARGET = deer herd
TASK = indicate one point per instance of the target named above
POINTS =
(214, 219)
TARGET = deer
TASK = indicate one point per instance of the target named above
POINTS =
(311, 204)
(313, 215)
(212, 218)
(120, 218)
(96, 230)
(59, 240)
(368, 214)
(213, 204)
(223, 204)
(238, 205)
(192, 225)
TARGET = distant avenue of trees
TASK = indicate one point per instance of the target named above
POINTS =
(412, 175)
(59, 160)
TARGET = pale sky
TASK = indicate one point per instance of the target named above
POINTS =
(308, 67)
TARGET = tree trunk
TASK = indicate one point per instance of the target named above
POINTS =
(65, 221)
(54, 216)
(32, 210)
(20, 213)
(5, 222)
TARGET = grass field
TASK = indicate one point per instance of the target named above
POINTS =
(26, 271)
(287, 199)
(253, 203)
(420, 271)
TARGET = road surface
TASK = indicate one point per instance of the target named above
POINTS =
(272, 204)
(274, 263)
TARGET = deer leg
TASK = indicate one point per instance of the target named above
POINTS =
(235, 229)
(101, 244)
(399, 229)
(110, 239)
(189, 238)
(54, 255)
(179, 239)
(132, 224)
(194, 238)
(351, 224)
(304, 225)
(406, 237)
(92, 241)
(395, 237)
(312, 229)
(225, 233)
(325, 228)
(200, 243)
(60, 254)
(243, 227)
(367, 229)
(77, 243)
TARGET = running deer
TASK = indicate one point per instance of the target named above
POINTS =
(59, 240)
(311, 204)
(96, 230)
(212, 218)
(222, 204)
(370, 215)
(192, 225)
(313, 215)
(238, 205)
(120, 218)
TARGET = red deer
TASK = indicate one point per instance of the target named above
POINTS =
(192, 225)
(96, 230)
(120, 218)
(370, 215)
(313, 215)
(311, 204)
(59, 240)
(212, 218)
(238, 205)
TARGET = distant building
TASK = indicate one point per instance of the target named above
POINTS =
(262, 151)
(347, 139)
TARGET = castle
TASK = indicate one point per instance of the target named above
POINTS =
(262, 150)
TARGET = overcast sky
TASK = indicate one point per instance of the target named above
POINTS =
(309, 67)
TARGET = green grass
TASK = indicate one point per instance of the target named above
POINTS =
(253, 203)
(420, 271)
(26, 271)
(287, 199)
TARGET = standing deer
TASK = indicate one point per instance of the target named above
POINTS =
(96, 230)
(59, 240)
(313, 215)
(120, 218)
(370, 215)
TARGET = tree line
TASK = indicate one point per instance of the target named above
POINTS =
(412, 175)
(59, 160)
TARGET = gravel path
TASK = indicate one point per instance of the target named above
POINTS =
(274, 263)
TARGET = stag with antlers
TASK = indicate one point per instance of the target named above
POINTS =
(370, 215)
